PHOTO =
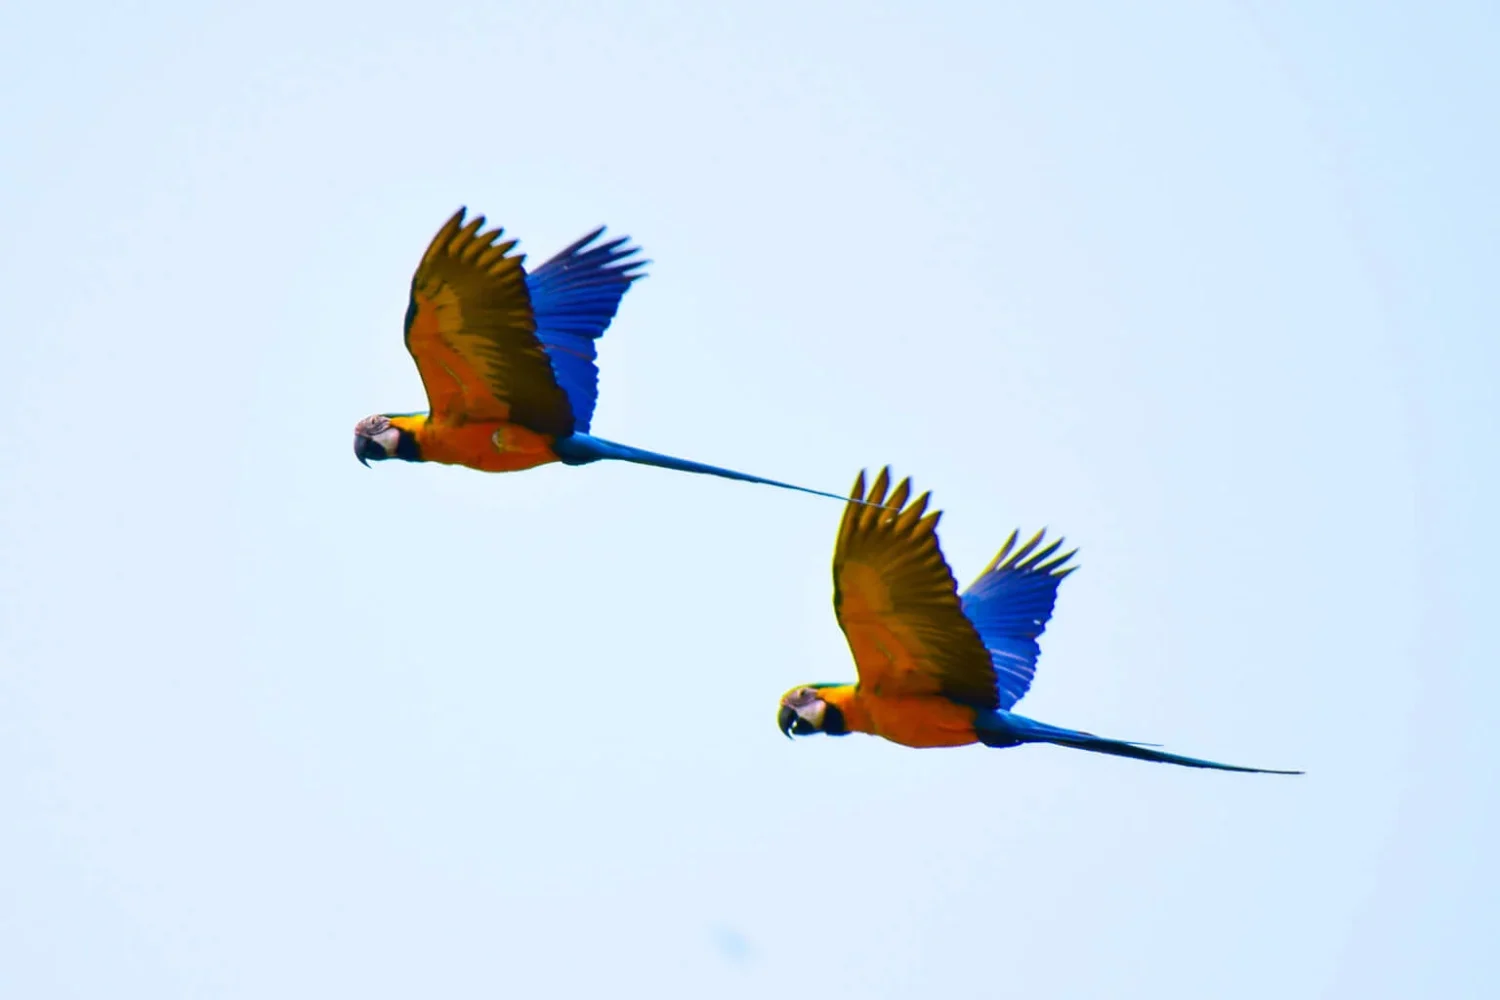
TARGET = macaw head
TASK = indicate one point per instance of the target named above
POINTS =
(379, 437)
(804, 711)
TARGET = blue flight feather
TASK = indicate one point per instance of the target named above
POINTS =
(574, 296)
(1009, 606)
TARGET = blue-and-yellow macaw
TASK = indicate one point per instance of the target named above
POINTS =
(507, 357)
(936, 669)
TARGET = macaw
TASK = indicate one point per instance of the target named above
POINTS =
(937, 669)
(507, 357)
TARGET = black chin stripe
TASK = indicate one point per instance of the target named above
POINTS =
(406, 447)
(833, 721)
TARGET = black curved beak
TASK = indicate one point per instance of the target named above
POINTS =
(786, 719)
(365, 448)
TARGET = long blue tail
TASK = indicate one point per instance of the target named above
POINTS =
(581, 449)
(1006, 729)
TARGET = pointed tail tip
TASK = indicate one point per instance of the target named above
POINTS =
(1240, 768)
(825, 493)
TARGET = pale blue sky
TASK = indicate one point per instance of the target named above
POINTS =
(1208, 287)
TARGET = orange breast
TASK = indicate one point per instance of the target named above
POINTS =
(919, 721)
(487, 446)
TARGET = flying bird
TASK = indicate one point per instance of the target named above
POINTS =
(937, 669)
(507, 357)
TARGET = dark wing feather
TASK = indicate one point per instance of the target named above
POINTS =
(470, 329)
(897, 601)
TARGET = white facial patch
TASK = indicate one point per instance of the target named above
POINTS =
(812, 712)
(387, 439)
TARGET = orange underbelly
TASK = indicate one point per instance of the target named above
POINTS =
(489, 447)
(920, 721)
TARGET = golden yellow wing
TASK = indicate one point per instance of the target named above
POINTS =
(897, 601)
(470, 329)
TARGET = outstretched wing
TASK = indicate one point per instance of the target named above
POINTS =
(574, 297)
(470, 329)
(1010, 604)
(897, 602)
